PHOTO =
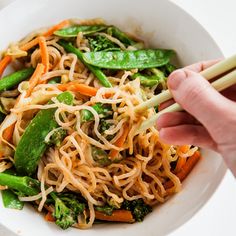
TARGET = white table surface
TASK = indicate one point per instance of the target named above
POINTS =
(218, 216)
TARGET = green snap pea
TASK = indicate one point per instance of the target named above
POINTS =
(147, 80)
(169, 68)
(101, 109)
(75, 29)
(14, 79)
(121, 60)
(154, 77)
(32, 143)
(55, 80)
(11, 200)
(123, 37)
(96, 71)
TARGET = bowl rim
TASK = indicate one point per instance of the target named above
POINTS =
(222, 169)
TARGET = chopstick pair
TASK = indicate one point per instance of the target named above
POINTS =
(222, 83)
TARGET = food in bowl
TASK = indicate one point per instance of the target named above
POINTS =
(69, 144)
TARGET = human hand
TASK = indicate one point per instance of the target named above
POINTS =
(210, 117)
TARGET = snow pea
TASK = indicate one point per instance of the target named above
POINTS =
(150, 80)
(14, 79)
(147, 80)
(96, 71)
(123, 37)
(73, 31)
(32, 143)
(103, 111)
(140, 59)
(11, 200)
(55, 80)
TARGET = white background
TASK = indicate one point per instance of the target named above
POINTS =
(218, 216)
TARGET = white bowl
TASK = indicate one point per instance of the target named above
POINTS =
(162, 24)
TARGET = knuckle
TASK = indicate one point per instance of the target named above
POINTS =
(192, 94)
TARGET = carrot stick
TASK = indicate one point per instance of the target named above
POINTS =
(186, 169)
(49, 217)
(30, 44)
(4, 63)
(119, 142)
(81, 88)
(56, 27)
(180, 163)
(181, 160)
(35, 78)
(44, 53)
(8, 132)
(117, 215)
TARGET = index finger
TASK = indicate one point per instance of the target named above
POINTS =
(200, 66)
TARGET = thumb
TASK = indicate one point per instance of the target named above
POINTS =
(195, 94)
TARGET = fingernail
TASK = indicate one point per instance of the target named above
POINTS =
(176, 78)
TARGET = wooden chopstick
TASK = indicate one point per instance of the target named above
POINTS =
(220, 84)
(210, 73)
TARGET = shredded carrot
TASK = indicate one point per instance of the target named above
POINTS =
(35, 78)
(181, 160)
(180, 163)
(44, 53)
(30, 44)
(184, 148)
(186, 169)
(77, 87)
(117, 215)
(49, 217)
(8, 132)
(119, 142)
(56, 27)
(4, 63)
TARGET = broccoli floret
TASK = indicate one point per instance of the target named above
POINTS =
(100, 156)
(74, 204)
(67, 208)
(101, 43)
(138, 208)
(57, 137)
(65, 217)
